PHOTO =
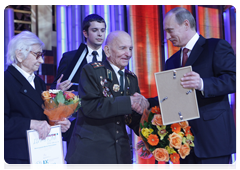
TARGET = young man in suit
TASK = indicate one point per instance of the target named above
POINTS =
(109, 95)
(214, 77)
(94, 28)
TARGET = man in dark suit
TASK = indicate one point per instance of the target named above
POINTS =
(108, 93)
(214, 77)
(94, 28)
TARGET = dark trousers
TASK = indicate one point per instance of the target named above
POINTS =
(193, 159)
(16, 161)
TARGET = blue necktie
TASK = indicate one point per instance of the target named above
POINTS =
(94, 53)
(121, 80)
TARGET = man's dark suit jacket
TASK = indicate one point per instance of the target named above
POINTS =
(65, 63)
(99, 135)
(21, 104)
(215, 62)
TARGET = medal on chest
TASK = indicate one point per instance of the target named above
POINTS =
(116, 87)
(106, 92)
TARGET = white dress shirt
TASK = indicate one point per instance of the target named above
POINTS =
(116, 69)
(190, 46)
(90, 56)
(30, 78)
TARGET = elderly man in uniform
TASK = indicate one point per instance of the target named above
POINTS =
(110, 100)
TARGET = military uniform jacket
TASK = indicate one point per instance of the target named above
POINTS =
(100, 135)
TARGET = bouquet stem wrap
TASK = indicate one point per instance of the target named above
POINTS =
(60, 112)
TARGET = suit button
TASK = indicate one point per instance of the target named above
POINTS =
(116, 141)
(118, 123)
(117, 131)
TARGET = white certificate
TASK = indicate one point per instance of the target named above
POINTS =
(47, 151)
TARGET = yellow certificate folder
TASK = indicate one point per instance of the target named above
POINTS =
(176, 103)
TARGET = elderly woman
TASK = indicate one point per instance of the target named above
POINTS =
(22, 97)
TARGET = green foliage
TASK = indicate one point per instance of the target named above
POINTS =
(79, 105)
(150, 116)
(59, 98)
(141, 126)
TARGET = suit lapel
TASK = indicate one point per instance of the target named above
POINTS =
(196, 51)
(103, 55)
(26, 88)
(74, 61)
(177, 63)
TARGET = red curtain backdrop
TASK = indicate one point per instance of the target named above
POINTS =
(209, 22)
(145, 29)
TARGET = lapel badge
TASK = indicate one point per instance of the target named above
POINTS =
(104, 93)
(128, 81)
(109, 74)
(127, 92)
(116, 87)
(101, 82)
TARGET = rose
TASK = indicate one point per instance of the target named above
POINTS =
(175, 140)
(52, 95)
(161, 154)
(157, 120)
(46, 96)
(184, 150)
(183, 124)
(69, 95)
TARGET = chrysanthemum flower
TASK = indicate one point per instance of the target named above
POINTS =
(175, 158)
(155, 110)
(153, 139)
(187, 130)
(176, 127)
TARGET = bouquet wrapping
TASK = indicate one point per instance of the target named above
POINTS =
(165, 143)
(59, 105)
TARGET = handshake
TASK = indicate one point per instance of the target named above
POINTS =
(139, 103)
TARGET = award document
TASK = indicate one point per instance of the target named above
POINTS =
(176, 103)
(47, 151)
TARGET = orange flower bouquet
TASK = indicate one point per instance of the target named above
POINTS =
(168, 142)
(59, 105)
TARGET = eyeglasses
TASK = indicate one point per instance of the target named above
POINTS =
(38, 54)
